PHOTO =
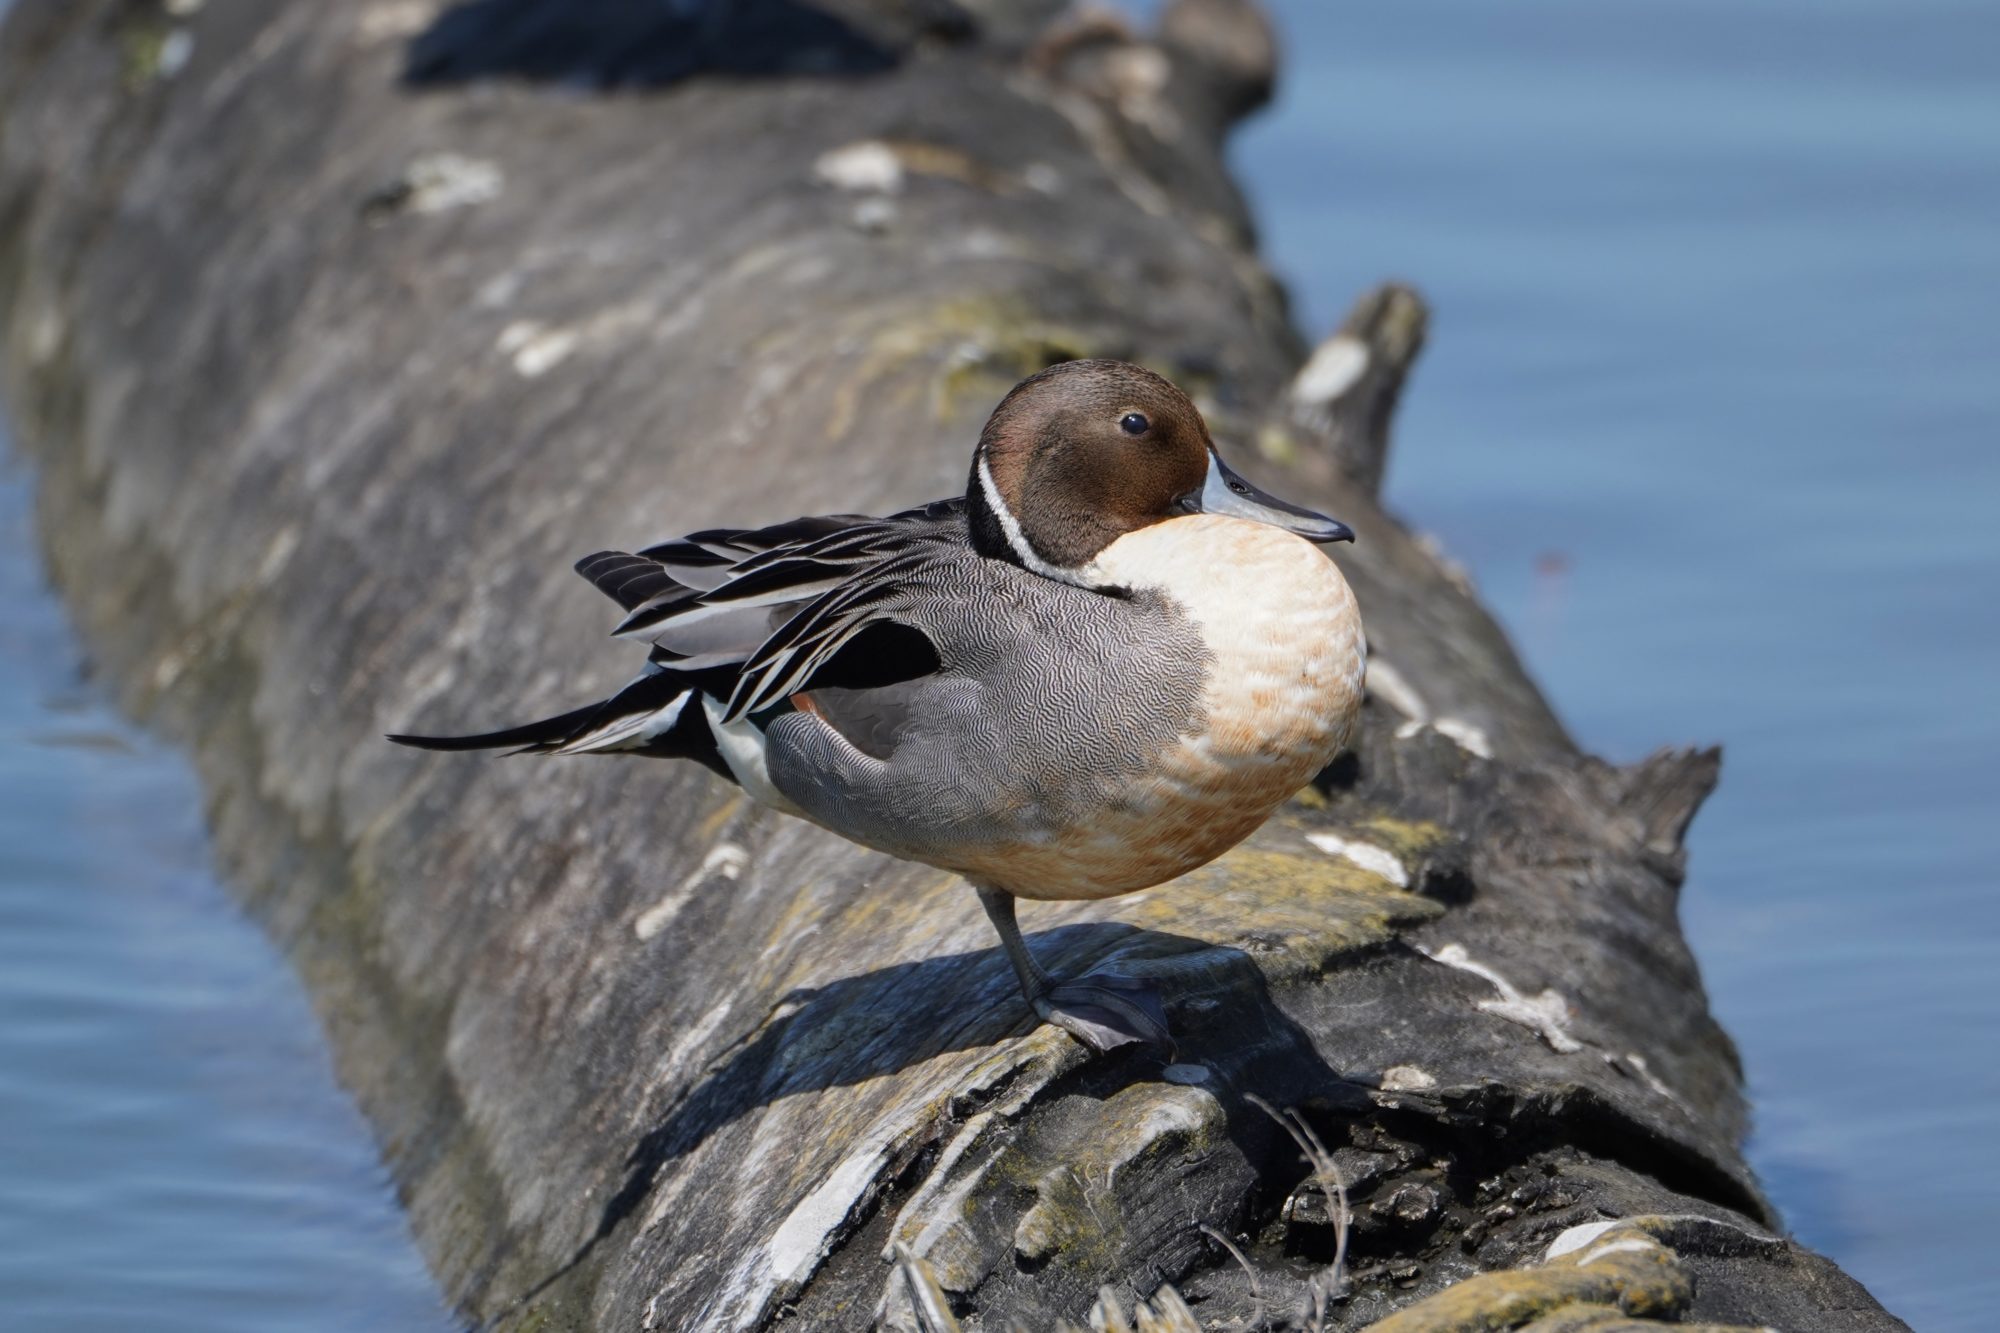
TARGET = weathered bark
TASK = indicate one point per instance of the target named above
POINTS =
(337, 331)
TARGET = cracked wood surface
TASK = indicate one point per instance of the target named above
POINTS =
(337, 332)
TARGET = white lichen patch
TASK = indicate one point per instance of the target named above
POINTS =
(168, 670)
(500, 290)
(1393, 688)
(1471, 739)
(1375, 860)
(874, 215)
(1574, 1239)
(395, 21)
(176, 49)
(534, 348)
(1596, 1241)
(867, 165)
(1623, 1245)
(278, 553)
(1637, 1063)
(802, 1239)
(45, 334)
(1137, 76)
(778, 1268)
(1334, 367)
(984, 243)
(443, 181)
(1547, 1014)
(725, 861)
(1467, 737)
(1406, 1078)
(1042, 178)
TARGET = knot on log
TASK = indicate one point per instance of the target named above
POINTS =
(1209, 64)
(1226, 50)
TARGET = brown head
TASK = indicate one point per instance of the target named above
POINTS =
(1084, 452)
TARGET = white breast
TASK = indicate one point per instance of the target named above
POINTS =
(1284, 685)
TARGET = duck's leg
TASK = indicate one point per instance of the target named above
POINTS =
(804, 763)
(1100, 1009)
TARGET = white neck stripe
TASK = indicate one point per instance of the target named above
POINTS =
(1086, 576)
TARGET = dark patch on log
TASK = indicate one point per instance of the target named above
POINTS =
(605, 44)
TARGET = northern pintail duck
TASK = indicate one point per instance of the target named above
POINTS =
(1103, 667)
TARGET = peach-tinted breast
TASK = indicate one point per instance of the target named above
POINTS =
(1283, 689)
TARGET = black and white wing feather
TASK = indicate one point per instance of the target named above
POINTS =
(844, 636)
(748, 618)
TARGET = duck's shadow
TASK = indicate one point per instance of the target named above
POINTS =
(889, 1019)
(595, 44)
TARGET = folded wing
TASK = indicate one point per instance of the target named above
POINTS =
(748, 618)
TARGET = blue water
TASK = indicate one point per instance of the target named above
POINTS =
(174, 1153)
(1711, 411)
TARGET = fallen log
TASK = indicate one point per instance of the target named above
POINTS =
(337, 332)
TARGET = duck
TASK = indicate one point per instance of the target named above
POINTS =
(1103, 666)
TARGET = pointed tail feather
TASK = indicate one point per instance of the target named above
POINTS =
(536, 736)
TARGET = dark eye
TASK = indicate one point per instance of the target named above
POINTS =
(1135, 424)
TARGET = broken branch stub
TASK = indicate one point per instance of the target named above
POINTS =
(1343, 399)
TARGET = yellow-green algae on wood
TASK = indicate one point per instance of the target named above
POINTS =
(1411, 841)
(1077, 1208)
(983, 344)
(1294, 912)
(986, 342)
(1621, 1271)
(1623, 1278)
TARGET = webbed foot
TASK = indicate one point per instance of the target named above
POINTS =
(1105, 1010)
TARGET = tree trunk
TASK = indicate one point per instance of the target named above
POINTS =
(338, 331)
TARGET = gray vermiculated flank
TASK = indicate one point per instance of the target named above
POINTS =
(1050, 700)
